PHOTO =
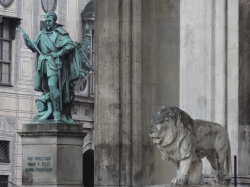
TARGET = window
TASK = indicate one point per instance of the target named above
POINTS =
(6, 37)
(42, 25)
(87, 88)
(49, 5)
(4, 151)
(6, 3)
(3, 180)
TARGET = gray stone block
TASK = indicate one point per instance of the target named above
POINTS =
(164, 95)
(167, 74)
(52, 154)
(162, 11)
(167, 32)
(175, 11)
(175, 51)
(163, 53)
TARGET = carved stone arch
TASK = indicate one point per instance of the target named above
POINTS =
(6, 3)
(87, 146)
(88, 12)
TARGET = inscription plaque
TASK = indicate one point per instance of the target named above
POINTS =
(39, 164)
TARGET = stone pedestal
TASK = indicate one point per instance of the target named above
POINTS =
(52, 154)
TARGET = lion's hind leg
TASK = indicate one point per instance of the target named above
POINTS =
(216, 160)
(213, 159)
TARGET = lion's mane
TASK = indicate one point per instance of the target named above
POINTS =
(184, 142)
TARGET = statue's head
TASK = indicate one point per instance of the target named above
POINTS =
(50, 20)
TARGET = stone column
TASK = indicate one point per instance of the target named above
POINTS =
(52, 154)
(244, 90)
(107, 100)
(209, 63)
(119, 133)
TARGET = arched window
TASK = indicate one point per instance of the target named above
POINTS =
(88, 12)
(49, 5)
(6, 3)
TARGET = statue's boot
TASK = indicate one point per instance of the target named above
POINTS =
(55, 98)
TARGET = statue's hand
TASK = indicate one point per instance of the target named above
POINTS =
(26, 40)
(54, 54)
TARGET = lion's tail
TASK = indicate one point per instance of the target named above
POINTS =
(228, 159)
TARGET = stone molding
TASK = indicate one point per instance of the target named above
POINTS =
(52, 129)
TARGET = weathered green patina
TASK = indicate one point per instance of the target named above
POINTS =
(60, 65)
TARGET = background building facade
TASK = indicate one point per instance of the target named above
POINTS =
(193, 54)
(17, 73)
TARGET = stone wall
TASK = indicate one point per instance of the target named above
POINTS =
(123, 152)
(244, 87)
(166, 74)
(137, 70)
(209, 64)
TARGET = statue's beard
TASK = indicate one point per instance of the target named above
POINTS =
(48, 28)
(51, 27)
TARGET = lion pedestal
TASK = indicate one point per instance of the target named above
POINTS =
(185, 142)
(52, 154)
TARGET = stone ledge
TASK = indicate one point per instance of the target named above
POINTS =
(65, 134)
(168, 185)
(52, 128)
(51, 184)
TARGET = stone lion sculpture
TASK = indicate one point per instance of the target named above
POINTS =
(185, 142)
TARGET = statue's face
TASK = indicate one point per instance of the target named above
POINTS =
(50, 22)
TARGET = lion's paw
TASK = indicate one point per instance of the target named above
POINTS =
(179, 181)
(215, 182)
(224, 182)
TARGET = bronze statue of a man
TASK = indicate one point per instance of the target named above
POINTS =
(57, 68)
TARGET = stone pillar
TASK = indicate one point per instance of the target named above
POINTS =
(107, 106)
(244, 90)
(120, 154)
(209, 63)
(52, 154)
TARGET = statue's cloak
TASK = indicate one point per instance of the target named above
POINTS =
(70, 63)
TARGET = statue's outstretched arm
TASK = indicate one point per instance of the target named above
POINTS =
(31, 45)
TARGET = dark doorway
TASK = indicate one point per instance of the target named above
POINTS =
(88, 168)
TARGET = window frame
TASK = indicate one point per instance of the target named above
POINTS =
(9, 40)
(1, 183)
(6, 160)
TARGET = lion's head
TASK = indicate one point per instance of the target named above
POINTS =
(171, 125)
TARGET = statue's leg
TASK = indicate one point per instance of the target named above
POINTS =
(176, 166)
(217, 163)
(195, 175)
(54, 96)
(223, 176)
(45, 82)
(182, 173)
(48, 112)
